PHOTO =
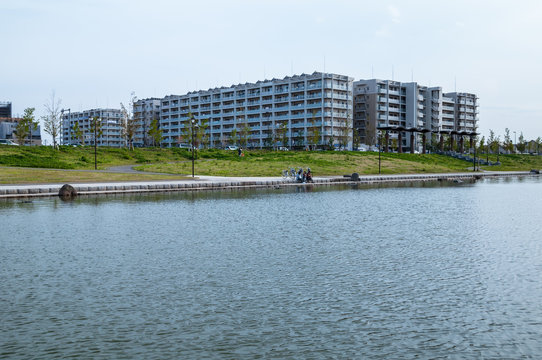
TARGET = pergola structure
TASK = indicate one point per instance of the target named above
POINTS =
(413, 131)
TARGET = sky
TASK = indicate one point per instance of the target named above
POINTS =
(95, 53)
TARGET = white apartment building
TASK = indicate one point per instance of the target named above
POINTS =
(145, 111)
(111, 122)
(389, 104)
(299, 103)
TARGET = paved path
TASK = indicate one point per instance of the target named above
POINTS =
(218, 182)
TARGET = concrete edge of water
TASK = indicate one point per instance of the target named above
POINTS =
(24, 191)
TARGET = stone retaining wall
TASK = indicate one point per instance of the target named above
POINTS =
(111, 188)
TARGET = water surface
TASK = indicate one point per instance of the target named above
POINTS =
(425, 271)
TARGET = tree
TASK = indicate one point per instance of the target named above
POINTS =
(244, 135)
(330, 142)
(78, 133)
(96, 132)
(234, 137)
(521, 145)
(344, 133)
(282, 133)
(538, 143)
(129, 124)
(155, 133)
(51, 119)
(481, 147)
(25, 126)
(20, 132)
(370, 130)
(507, 142)
(356, 139)
(314, 134)
(493, 142)
(202, 135)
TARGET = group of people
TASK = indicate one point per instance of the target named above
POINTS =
(303, 176)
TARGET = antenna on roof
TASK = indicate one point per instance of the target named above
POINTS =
(455, 84)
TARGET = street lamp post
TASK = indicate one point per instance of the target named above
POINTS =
(194, 125)
(515, 142)
(379, 151)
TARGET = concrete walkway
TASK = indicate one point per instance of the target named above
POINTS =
(217, 182)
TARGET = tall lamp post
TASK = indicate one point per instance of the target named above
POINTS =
(379, 150)
(194, 125)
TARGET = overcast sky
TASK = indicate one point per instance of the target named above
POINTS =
(94, 53)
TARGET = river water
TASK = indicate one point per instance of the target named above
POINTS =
(416, 271)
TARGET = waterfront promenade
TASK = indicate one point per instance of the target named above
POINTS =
(217, 183)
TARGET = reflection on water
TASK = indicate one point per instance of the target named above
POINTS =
(419, 270)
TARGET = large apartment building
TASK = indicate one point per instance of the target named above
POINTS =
(301, 105)
(111, 126)
(145, 111)
(391, 104)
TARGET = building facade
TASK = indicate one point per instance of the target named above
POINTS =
(7, 131)
(8, 124)
(111, 121)
(145, 111)
(392, 104)
(296, 111)
(5, 109)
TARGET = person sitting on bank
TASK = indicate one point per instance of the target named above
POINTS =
(299, 176)
(308, 177)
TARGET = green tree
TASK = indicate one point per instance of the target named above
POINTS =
(507, 142)
(481, 147)
(25, 126)
(315, 133)
(155, 133)
(244, 135)
(202, 135)
(21, 132)
(78, 133)
(521, 145)
(345, 132)
(356, 139)
(234, 138)
(394, 143)
(282, 133)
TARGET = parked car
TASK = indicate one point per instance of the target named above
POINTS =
(283, 148)
(185, 146)
(231, 147)
(7, 142)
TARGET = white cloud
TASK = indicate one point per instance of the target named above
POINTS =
(394, 13)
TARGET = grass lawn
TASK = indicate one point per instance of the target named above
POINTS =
(45, 176)
(224, 163)
(514, 162)
(83, 157)
(265, 163)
